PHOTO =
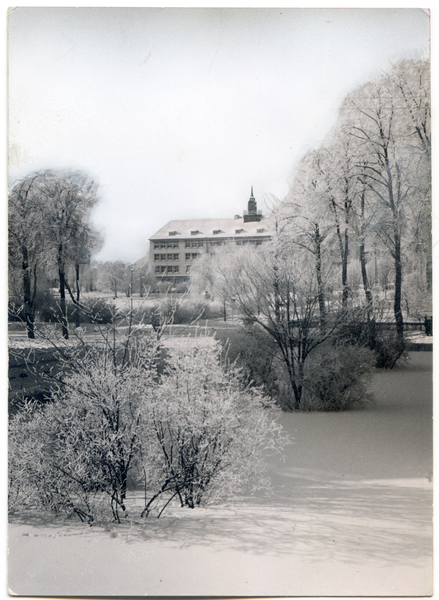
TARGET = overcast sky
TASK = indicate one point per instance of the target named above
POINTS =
(177, 112)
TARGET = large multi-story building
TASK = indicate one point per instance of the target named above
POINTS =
(177, 245)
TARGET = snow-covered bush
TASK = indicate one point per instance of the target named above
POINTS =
(170, 311)
(189, 429)
(335, 373)
(257, 355)
(210, 433)
(255, 352)
(79, 449)
(96, 310)
(336, 377)
(417, 296)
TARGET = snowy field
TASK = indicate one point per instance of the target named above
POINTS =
(351, 515)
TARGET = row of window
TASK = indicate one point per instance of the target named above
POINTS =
(167, 269)
(174, 244)
(238, 242)
(244, 242)
(165, 244)
(197, 244)
(170, 269)
(168, 257)
(162, 244)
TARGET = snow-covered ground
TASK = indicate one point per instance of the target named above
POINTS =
(350, 515)
(419, 337)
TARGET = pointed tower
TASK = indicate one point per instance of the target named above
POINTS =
(252, 213)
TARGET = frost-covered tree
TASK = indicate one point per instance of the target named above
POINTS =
(48, 227)
(208, 277)
(304, 216)
(275, 287)
(391, 164)
(26, 241)
(369, 187)
(74, 453)
(186, 428)
(69, 199)
(210, 433)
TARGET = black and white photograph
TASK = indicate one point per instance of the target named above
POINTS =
(220, 318)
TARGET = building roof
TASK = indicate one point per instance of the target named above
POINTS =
(213, 228)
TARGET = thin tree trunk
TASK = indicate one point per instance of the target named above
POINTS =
(396, 257)
(343, 242)
(28, 304)
(367, 291)
(321, 291)
(297, 387)
(428, 262)
(365, 279)
(276, 295)
(369, 300)
(301, 369)
(62, 293)
(34, 292)
(397, 297)
(344, 301)
(77, 320)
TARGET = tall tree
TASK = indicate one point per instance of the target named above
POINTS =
(209, 277)
(80, 251)
(410, 81)
(342, 194)
(389, 164)
(26, 240)
(68, 200)
(276, 290)
(118, 277)
(301, 218)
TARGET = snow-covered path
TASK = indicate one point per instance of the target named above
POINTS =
(350, 515)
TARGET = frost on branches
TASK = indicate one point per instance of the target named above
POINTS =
(187, 430)
(209, 433)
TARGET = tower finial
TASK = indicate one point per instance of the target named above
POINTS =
(252, 213)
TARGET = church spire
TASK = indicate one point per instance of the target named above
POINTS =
(252, 213)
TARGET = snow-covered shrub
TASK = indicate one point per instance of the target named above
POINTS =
(336, 377)
(42, 473)
(189, 311)
(377, 334)
(78, 450)
(96, 310)
(93, 310)
(189, 429)
(168, 311)
(417, 296)
(209, 432)
(257, 355)
(334, 374)
(387, 348)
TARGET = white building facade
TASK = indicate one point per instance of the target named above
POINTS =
(177, 245)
